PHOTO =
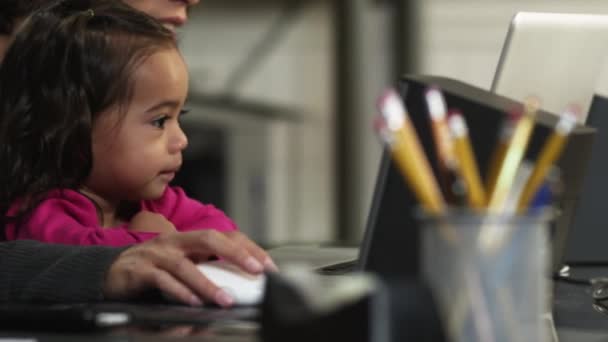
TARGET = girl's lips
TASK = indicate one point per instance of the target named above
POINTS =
(173, 22)
(167, 176)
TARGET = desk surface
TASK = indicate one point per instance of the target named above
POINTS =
(225, 332)
(576, 317)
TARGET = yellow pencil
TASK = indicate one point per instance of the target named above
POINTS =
(504, 136)
(492, 236)
(397, 130)
(548, 155)
(446, 161)
(467, 166)
(513, 156)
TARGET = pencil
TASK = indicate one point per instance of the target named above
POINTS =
(446, 161)
(551, 150)
(513, 156)
(492, 236)
(467, 165)
(504, 136)
(397, 131)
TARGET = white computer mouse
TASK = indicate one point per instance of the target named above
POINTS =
(245, 288)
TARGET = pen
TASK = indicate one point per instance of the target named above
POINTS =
(550, 151)
(395, 128)
(446, 161)
(549, 191)
(542, 198)
(467, 166)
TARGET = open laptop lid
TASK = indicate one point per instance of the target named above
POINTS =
(389, 220)
(554, 56)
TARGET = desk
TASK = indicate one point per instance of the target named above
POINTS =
(576, 317)
(574, 314)
(226, 332)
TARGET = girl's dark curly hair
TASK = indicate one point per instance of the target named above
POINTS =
(68, 63)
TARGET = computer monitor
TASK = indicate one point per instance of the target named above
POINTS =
(554, 56)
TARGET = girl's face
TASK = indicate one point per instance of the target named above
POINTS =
(135, 155)
(172, 13)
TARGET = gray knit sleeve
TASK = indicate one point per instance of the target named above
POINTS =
(34, 271)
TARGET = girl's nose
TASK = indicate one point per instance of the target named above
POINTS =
(179, 141)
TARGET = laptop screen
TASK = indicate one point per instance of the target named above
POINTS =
(554, 56)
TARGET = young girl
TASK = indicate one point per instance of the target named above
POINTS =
(89, 129)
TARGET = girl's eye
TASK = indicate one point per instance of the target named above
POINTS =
(160, 122)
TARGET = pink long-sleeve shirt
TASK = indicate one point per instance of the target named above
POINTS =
(68, 217)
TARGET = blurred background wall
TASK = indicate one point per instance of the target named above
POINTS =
(283, 93)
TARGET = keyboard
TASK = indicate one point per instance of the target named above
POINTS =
(338, 268)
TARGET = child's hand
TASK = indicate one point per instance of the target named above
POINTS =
(149, 222)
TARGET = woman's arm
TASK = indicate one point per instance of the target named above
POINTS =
(31, 271)
(34, 271)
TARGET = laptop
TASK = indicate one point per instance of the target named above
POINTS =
(390, 244)
(555, 56)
